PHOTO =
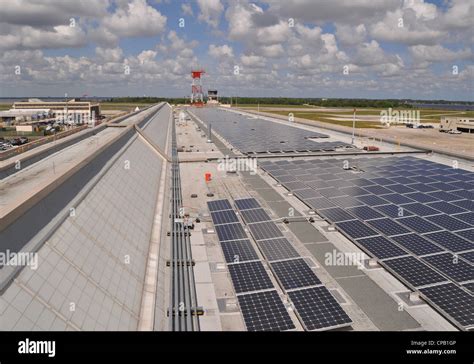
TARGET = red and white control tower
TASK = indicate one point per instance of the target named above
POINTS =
(197, 98)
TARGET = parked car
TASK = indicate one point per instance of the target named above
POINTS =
(452, 131)
(371, 148)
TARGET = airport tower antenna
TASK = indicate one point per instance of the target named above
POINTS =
(196, 88)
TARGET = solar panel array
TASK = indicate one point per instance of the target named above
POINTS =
(315, 306)
(415, 216)
(254, 140)
(260, 304)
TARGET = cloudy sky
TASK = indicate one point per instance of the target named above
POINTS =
(297, 48)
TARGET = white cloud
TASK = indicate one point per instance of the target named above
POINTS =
(220, 51)
(438, 53)
(138, 19)
(187, 9)
(210, 11)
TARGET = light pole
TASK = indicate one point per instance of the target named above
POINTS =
(353, 125)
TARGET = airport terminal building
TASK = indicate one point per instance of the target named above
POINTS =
(81, 112)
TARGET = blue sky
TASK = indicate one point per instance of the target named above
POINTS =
(293, 48)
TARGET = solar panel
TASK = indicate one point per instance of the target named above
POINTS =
(445, 196)
(414, 271)
(400, 188)
(467, 234)
(377, 190)
(381, 248)
(456, 302)
(393, 211)
(468, 256)
(446, 207)
(420, 209)
(346, 201)
(254, 215)
(465, 204)
(264, 311)
(265, 230)
(319, 203)
(356, 229)
(421, 197)
(247, 203)
(388, 226)
(294, 273)
(236, 251)
(318, 309)
(277, 249)
(335, 214)
(330, 192)
(469, 287)
(218, 205)
(230, 232)
(450, 241)
(466, 217)
(417, 244)
(372, 200)
(306, 193)
(455, 268)
(361, 182)
(365, 212)
(448, 222)
(397, 198)
(418, 224)
(354, 191)
(249, 276)
(421, 187)
(224, 217)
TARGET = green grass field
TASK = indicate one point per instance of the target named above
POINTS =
(427, 116)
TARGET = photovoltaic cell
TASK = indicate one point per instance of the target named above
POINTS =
(372, 200)
(393, 211)
(230, 232)
(336, 214)
(236, 251)
(254, 215)
(381, 248)
(249, 276)
(417, 244)
(469, 256)
(224, 217)
(446, 207)
(318, 309)
(453, 300)
(265, 230)
(218, 205)
(277, 249)
(388, 226)
(418, 224)
(414, 271)
(247, 203)
(397, 198)
(420, 209)
(265, 311)
(294, 273)
(467, 217)
(450, 241)
(356, 229)
(448, 222)
(452, 266)
(467, 234)
(364, 212)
